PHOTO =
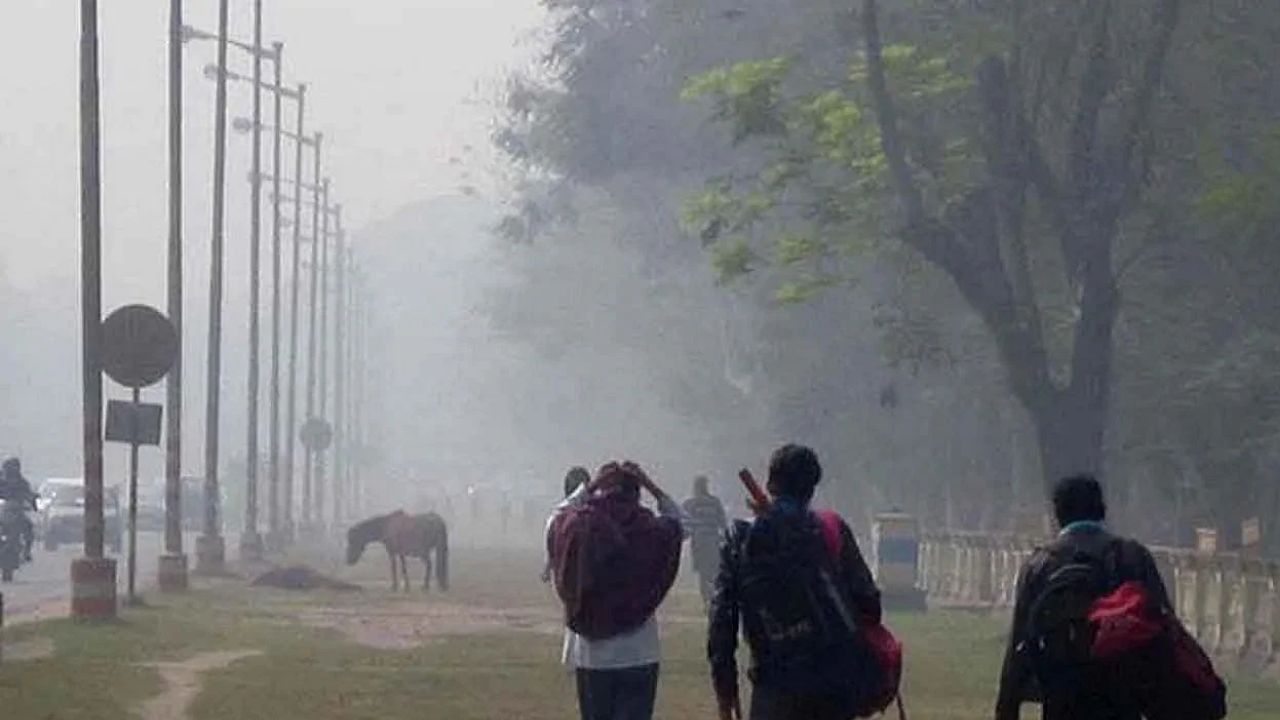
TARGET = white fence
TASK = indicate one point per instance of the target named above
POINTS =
(1231, 603)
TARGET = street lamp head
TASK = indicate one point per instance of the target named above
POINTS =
(188, 33)
(242, 125)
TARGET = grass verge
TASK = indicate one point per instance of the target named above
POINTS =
(315, 673)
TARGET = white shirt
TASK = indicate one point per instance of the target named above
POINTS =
(637, 648)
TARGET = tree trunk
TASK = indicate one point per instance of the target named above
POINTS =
(1070, 437)
(1071, 422)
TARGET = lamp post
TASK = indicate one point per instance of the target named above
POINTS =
(309, 462)
(323, 358)
(274, 534)
(93, 577)
(173, 563)
(340, 309)
(210, 547)
(251, 544)
(250, 540)
(291, 426)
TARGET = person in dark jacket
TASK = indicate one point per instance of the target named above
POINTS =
(1081, 513)
(706, 522)
(794, 473)
(15, 489)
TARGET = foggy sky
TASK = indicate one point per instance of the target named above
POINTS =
(398, 87)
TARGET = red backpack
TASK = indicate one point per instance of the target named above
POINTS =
(1173, 677)
(884, 649)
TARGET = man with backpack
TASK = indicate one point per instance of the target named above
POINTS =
(796, 582)
(1094, 633)
(613, 563)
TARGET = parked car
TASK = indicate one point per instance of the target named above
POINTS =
(60, 520)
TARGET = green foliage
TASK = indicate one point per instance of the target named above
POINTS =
(1244, 202)
(732, 258)
(746, 95)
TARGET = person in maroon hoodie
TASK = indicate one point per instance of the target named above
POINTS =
(614, 562)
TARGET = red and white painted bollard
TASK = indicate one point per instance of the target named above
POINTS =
(93, 589)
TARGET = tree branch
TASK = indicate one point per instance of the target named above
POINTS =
(1152, 71)
(887, 114)
(1082, 162)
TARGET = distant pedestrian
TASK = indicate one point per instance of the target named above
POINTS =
(1055, 653)
(16, 497)
(574, 479)
(614, 562)
(705, 523)
(793, 581)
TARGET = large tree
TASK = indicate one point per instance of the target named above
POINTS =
(1015, 162)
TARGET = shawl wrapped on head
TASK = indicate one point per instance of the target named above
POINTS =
(614, 562)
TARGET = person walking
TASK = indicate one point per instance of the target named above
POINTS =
(613, 563)
(17, 497)
(800, 605)
(705, 524)
(1104, 561)
(577, 477)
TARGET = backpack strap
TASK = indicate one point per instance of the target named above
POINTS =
(829, 522)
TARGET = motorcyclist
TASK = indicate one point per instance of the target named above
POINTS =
(17, 496)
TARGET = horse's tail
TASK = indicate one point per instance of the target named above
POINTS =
(442, 557)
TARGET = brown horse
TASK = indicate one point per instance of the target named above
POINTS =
(404, 535)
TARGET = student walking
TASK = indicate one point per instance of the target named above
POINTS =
(613, 563)
(796, 583)
(1094, 634)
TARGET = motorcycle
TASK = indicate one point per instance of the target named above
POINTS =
(11, 543)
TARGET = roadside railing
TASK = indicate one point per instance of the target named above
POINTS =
(1231, 603)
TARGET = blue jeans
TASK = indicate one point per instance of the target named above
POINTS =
(622, 694)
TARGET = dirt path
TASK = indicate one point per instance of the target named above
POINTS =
(400, 626)
(34, 649)
(182, 682)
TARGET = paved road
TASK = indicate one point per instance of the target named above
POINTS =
(44, 586)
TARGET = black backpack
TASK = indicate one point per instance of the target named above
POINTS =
(1059, 636)
(812, 642)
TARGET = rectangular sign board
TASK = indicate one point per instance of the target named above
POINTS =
(1207, 540)
(133, 424)
(1251, 532)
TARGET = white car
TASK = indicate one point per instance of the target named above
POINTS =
(60, 518)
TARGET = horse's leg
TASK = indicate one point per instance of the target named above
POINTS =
(395, 579)
(404, 571)
(426, 575)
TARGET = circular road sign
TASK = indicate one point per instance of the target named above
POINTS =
(139, 345)
(316, 434)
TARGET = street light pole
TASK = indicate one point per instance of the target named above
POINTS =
(250, 539)
(340, 309)
(210, 547)
(323, 239)
(173, 563)
(273, 500)
(93, 577)
(291, 426)
(316, 239)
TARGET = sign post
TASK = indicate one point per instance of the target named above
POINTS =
(139, 348)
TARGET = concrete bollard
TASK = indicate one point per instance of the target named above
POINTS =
(1213, 613)
(211, 555)
(1187, 594)
(173, 574)
(986, 559)
(93, 589)
(1256, 609)
(1235, 605)
(1272, 625)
